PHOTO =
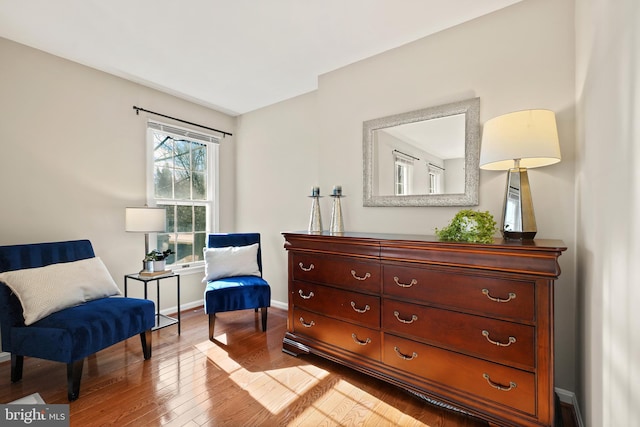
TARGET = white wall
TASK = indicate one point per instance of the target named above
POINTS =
(518, 58)
(73, 157)
(277, 164)
(608, 195)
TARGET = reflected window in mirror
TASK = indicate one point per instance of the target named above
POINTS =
(403, 166)
(436, 179)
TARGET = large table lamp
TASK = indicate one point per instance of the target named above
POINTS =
(145, 220)
(516, 142)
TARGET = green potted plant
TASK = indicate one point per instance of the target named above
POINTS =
(157, 259)
(469, 226)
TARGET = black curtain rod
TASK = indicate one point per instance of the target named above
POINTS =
(138, 109)
(436, 166)
(405, 154)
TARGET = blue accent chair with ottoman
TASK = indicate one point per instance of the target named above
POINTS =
(233, 276)
(58, 302)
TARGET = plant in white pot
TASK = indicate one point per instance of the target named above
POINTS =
(157, 260)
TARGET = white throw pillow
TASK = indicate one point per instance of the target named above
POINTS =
(45, 290)
(230, 261)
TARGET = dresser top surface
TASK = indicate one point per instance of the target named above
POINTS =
(392, 238)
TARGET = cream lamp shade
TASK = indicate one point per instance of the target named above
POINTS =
(145, 220)
(515, 142)
(531, 136)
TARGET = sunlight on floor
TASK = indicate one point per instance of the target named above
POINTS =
(349, 405)
(275, 389)
(278, 389)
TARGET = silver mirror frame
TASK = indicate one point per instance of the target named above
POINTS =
(471, 110)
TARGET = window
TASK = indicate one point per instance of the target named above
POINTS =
(403, 174)
(436, 179)
(182, 178)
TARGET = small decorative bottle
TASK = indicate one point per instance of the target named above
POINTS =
(315, 220)
(337, 226)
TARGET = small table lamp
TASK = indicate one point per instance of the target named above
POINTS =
(145, 220)
(515, 142)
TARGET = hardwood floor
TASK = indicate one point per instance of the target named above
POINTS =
(241, 379)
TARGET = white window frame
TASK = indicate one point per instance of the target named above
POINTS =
(436, 179)
(212, 143)
(404, 163)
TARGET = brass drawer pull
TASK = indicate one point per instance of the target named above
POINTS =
(404, 356)
(311, 267)
(499, 344)
(500, 387)
(413, 318)
(360, 310)
(303, 296)
(307, 325)
(404, 285)
(357, 341)
(512, 295)
(355, 276)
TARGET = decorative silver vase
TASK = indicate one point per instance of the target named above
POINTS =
(315, 219)
(337, 226)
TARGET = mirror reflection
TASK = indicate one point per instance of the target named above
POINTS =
(427, 157)
(424, 157)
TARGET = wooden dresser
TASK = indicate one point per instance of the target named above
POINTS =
(468, 325)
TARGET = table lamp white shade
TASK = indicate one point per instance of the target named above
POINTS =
(145, 220)
(530, 135)
(515, 142)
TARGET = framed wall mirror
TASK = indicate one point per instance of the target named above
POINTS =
(428, 157)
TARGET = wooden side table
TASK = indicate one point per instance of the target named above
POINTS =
(162, 321)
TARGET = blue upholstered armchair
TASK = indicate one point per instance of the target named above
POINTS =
(233, 275)
(69, 334)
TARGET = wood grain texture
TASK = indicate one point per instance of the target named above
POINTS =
(467, 324)
(241, 379)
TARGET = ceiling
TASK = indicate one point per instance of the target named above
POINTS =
(231, 55)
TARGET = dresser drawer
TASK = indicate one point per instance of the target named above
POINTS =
(346, 305)
(494, 296)
(342, 271)
(507, 386)
(345, 335)
(497, 340)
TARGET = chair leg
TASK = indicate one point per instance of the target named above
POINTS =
(17, 363)
(263, 312)
(212, 322)
(74, 374)
(145, 338)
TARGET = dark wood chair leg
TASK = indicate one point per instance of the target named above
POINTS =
(17, 362)
(74, 374)
(263, 312)
(212, 322)
(145, 338)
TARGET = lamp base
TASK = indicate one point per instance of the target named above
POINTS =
(518, 218)
(518, 235)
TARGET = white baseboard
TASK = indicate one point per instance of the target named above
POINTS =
(569, 397)
(4, 356)
(278, 304)
(183, 307)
